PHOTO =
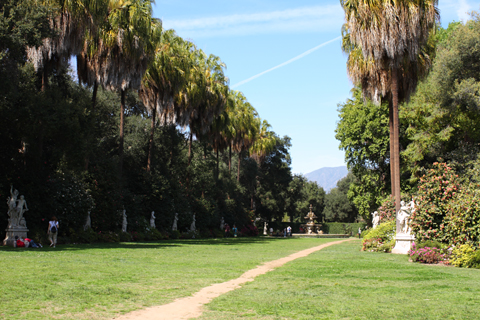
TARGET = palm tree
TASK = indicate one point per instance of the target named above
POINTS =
(391, 33)
(69, 21)
(121, 53)
(164, 80)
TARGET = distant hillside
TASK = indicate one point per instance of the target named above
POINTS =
(327, 177)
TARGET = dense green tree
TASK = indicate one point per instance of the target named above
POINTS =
(363, 133)
(338, 207)
(443, 116)
(274, 177)
(301, 194)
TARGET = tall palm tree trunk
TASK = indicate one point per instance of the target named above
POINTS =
(150, 145)
(94, 103)
(94, 95)
(239, 162)
(396, 141)
(218, 167)
(122, 123)
(392, 157)
(190, 141)
(229, 157)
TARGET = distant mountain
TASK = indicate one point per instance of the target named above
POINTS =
(327, 177)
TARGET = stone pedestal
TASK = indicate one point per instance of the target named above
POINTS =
(12, 232)
(403, 243)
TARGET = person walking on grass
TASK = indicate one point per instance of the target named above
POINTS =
(52, 231)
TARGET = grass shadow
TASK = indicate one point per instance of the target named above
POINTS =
(153, 244)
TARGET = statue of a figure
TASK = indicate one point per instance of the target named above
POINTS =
(310, 215)
(21, 208)
(265, 228)
(403, 216)
(375, 219)
(255, 221)
(174, 227)
(222, 224)
(12, 210)
(88, 222)
(22, 223)
(152, 220)
(192, 226)
(124, 222)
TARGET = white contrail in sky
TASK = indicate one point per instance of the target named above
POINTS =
(286, 62)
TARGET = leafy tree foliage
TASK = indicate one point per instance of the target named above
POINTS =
(301, 194)
(442, 117)
(364, 136)
(61, 151)
(274, 177)
(338, 207)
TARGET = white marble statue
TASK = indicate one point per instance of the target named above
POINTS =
(192, 226)
(12, 210)
(88, 222)
(222, 224)
(403, 216)
(21, 208)
(255, 221)
(404, 237)
(152, 220)
(16, 209)
(174, 226)
(124, 222)
(265, 229)
(375, 219)
(22, 223)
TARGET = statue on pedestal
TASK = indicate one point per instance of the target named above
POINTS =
(222, 224)
(124, 222)
(192, 226)
(17, 225)
(265, 229)
(152, 220)
(174, 226)
(375, 219)
(404, 237)
(88, 222)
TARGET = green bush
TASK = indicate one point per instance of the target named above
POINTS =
(463, 218)
(125, 237)
(83, 236)
(382, 238)
(175, 234)
(153, 235)
(342, 228)
(465, 256)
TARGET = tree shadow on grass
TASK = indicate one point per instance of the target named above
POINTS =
(151, 244)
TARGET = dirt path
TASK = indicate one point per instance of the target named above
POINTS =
(191, 307)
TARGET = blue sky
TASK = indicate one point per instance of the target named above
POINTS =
(267, 47)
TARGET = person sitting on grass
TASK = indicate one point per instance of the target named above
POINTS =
(32, 243)
(21, 243)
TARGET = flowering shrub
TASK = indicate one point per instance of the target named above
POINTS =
(249, 230)
(382, 238)
(436, 193)
(386, 211)
(465, 256)
(426, 254)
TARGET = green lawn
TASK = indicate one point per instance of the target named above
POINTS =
(340, 282)
(98, 281)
